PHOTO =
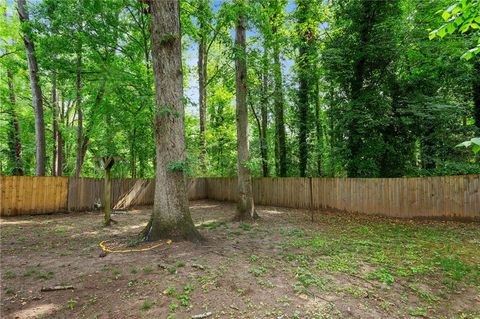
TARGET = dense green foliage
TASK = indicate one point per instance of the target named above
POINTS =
(347, 88)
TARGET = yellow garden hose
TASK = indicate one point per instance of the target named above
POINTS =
(108, 250)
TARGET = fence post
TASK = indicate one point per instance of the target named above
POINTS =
(311, 196)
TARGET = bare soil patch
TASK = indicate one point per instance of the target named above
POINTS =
(283, 266)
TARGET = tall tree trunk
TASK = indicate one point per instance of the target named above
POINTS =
(245, 206)
(81, 149)
(40, 152)
(14, 134)
(202, 92)
(476, 92)
(54, 124)
(171, 215)
(264, 114)
(318, 129)
(280, 139)
(303, 103)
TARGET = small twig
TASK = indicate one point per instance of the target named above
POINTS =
(202, 315)
(56, 288)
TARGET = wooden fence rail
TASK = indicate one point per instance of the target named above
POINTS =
(454, 197)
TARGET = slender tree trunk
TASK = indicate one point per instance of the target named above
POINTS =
(54, 124)
(303, 103)
(264, 114)
(280, 139)
(81, 149)
(245, 206)
(476, 93)
(171, 215)
(14, 137)
(107, 198)
(40, 152)
(133, 156)
(202, 92)
(318, 129)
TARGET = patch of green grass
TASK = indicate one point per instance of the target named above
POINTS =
(257, 271)
(9, 291)
(170, 291)
(213, 225)
(453, 267)
(44, 275)
(60, 229)
(147, 270)
(253, 258)
(147, 305)
(425, 295)
(134, 242)
(9, 275)
(180, 264)
(338, 263)
(417, 312)
(184, 300)
(72, 304)
(29, 272)
(172, 270)
(382, 275)
(307, 278)
(245, 227)
(188, 288)
(173, 307)
(293, 232)
(355, 291)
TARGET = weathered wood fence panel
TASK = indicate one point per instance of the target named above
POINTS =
(84, 193)
(441, 196)
(21, 195)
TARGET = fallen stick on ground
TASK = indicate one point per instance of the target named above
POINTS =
(202, 315)
(55, 288)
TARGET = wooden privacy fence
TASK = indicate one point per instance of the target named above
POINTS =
(453, 197)
(446, 196)
(23, 195)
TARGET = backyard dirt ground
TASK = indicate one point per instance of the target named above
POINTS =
(283, 266)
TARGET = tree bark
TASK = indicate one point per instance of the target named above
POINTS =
(171, 215)
(318, 129)
(15, 146)
(81, 149)
(264, 114)
(202, 92)
(54, 124)
(245, 206)
(476, 92)
(280, 139)
(107, 162)
(40, 152)
(303, 103)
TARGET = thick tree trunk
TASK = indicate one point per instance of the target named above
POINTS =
(280, 139)
(202, 92)
(171, 215)
(40, 152)
(245, 206)
(81, 146)
(15, 146)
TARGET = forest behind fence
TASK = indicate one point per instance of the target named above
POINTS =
(452, 197)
